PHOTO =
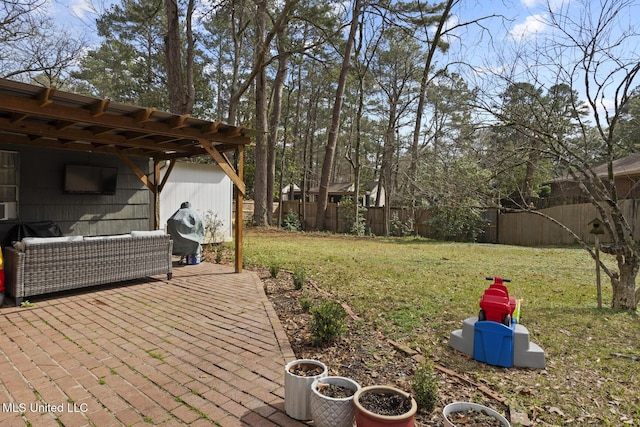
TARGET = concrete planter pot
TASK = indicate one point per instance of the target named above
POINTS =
(468, 406)
(366, 418)
(333, 412)
(297, 388)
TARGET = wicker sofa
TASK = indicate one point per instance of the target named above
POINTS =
(36, 266)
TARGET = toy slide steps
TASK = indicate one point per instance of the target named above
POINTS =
(496, 344)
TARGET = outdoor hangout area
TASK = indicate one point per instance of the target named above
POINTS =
(203, 348)
(211, 346)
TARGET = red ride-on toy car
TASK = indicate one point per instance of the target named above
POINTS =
(496, 305)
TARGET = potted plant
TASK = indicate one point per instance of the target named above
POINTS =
(332, 401)
(384, 406)
(298, 377)
(463, 413)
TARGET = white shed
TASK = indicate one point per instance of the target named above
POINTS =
(209, 191)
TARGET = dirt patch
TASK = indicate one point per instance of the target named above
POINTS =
(363, 353)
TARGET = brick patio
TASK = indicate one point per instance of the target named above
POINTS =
(204, 348)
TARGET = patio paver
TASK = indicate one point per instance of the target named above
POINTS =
(204, 348)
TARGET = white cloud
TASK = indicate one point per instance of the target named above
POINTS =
(545, 4)
(81, 8)
(531, 26)
(532, 3)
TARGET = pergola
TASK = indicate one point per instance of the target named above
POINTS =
(44, 117)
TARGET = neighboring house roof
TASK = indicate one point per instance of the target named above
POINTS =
(287, 188)
(336, 188)
(626, 166)
(346, 188)
(629, 165)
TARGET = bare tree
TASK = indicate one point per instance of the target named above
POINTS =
(31, 47)
(591, 49)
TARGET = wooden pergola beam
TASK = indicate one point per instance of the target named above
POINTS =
(136, 170)
(42, 117)
(224, 164)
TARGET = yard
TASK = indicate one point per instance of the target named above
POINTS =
(408, 294)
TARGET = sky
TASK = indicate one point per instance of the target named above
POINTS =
(525, 16)
(526, 24)
(488, 45)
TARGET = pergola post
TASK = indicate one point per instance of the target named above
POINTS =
(156, 194)
(239, 199)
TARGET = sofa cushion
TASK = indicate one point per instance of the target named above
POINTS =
(46, 240)
(148, 233)
(113, 236)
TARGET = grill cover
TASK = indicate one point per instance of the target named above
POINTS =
(186, 230)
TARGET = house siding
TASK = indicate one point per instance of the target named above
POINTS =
(42, 198)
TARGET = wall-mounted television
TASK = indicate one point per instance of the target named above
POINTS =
(81, 179)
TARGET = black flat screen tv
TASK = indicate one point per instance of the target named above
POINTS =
(80, 179)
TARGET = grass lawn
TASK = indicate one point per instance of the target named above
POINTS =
(417, 291)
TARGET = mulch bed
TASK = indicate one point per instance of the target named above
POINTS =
(364, 354)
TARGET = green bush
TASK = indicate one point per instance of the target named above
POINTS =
(299, 277)
(328, 323)
(401, 228)
(274, 270)
(306, 303)
(291, 222)
(353, 225)
(425, 387)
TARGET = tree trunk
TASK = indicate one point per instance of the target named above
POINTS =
(624, 287)
(237, 28)
(261, 204)
(424, 82)
(261, 52)
(327, 165)
(274, 121)
(179, 82)
(190, 97)
(173, 53)
(386, 170)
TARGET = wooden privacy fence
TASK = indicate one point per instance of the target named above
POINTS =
(521, 228)
(529, 229)
(335, 218)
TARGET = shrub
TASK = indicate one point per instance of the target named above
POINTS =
(299, 277)
(328, 323)
(306, 303)
(274, 269)
(425, 386)
(213, 226)
(352, 224)
(291, 222)
(460, 223)
(401, 228)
